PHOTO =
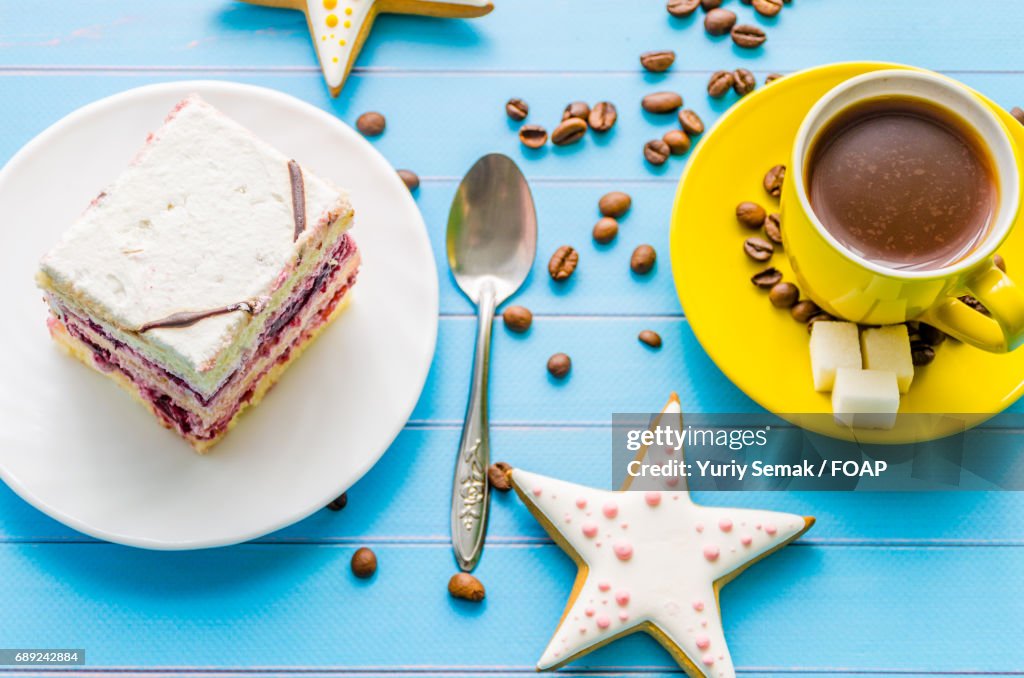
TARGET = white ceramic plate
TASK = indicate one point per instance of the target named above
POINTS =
(81, 450)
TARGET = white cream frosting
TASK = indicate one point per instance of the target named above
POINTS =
(202, 218)
(653, 557)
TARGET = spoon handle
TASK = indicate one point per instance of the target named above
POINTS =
(469, 493)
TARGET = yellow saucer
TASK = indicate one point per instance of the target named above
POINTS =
(761, 348)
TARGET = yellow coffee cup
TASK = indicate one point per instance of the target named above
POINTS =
(854, 288)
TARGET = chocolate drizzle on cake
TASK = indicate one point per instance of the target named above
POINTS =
(189, 318)
(298, 197)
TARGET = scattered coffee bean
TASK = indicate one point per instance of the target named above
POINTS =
(681, 8)
(767, 7)
(1018, 113)
(750, 214)
(720, 83)
(603, 116)
(658, 61)
(719, 21)
(466, 587)
(533, 136)
(975, 304)
(643, 259)
(409, 178)
(784, 295)
(999, 262)
(656, 151)
(517, 318)
(497, 476)
(605, 230)
(614, 204)
(758, 249)
(748, 36)
(559, 365)
(921, 353)
(563, 262)
(339, 503)
(932, 336)
(677, 141)
(773, 180)
(691, 122)
(577, 109)
(771, 77)
(744, 81)
(569, 131)
(517, 109)
(821, 317)
(773, 227)
(709, 5)
(651, 338)
(371, 124)
(662, 102)
(364, 563)
(767, 279)
(804, 310)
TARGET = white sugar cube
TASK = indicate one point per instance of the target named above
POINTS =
(865, 398)
(888, 349)
(833, 345)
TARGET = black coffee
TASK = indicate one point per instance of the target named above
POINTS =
(903, 183)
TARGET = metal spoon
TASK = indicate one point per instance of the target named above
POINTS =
(492, 241)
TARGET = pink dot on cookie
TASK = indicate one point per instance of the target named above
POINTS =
(708, 660)
(711, 552)
(623, 550)
(652, 498)
(770, 529)
(581, 503)
(604, 586)
(537, 491)
(746, 540)
(725, 525)
(603, 621)
(622, 597)
(610, 510)
(589, 530)
(703, 642)
(698, 605)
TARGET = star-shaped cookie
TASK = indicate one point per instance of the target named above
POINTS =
(650, 560)
(339, 27)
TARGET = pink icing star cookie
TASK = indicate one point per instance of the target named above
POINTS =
(339, 27)
(651, 560)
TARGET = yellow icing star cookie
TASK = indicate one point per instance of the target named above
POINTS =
(339, 27)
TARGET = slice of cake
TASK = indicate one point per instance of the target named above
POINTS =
(201, 272)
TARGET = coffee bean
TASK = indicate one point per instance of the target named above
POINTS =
(720, 83)
(681, 8)
(662, 102)
(773, 180)
(643, 259)
(605, 230)
(691, 122)
(719, 21)
(773, 227)
(658, 61)
(744, 81)
(563, 262)
(577, 109)
(559, 365)
(656, 151)
(771, 77)
(678, 142)
(533, 136)
(804, 310)
(517, 318)
(767, 7)
(748, 36)
(364, 563)
(371, 124)
(820, 317)
(975, 304)
(497, 476)
(709, 5)
(339, 503)
(750, 214)
(651, 338)
(614, 204)
(517, 109)
(466, 587)
(767, 279)
(409, 178)
(603, 116)
(999, 262)
(932, 336)
(758, 249)
(921, 354)
(569, 131)
(1018, 113)
(784, 295)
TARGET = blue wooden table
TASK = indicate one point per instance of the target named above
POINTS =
(884, 584)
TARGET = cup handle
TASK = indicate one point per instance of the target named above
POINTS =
(1002, 331)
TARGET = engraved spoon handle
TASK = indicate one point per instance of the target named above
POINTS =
(470, 492)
